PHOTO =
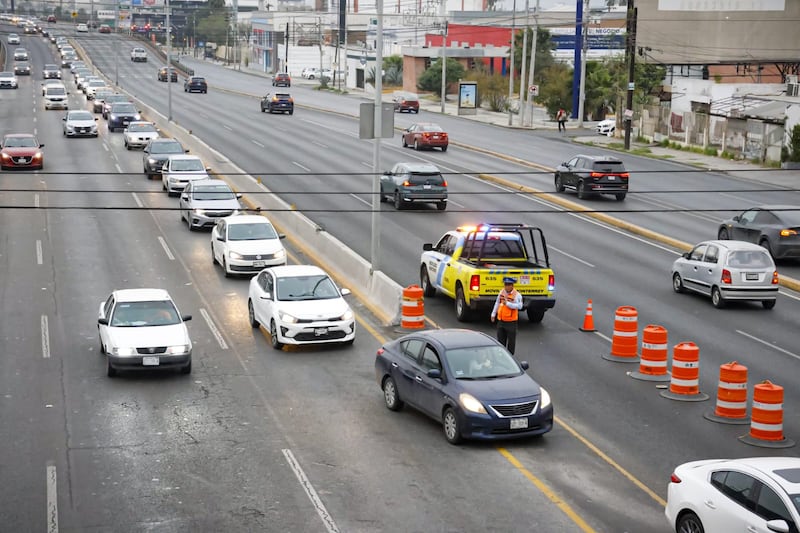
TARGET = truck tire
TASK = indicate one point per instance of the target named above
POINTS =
(463, 312)
(427, 289)
(535, 315)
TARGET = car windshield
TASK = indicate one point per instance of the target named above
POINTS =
(481, 362)
(495, 247)
(796, 501)
(97, 83)
(50, 67)
(81, 115)
(123, 108)
(198, 80)
(140, 128)
(168, 147)
(251, 232)
(6, 74)
(316, 287)
(138, 314)
(20, 142)
(187, 165)
(213, 192)
(56, 91)
(749, 259)
(114, 98)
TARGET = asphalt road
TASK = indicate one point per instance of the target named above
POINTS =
(233, 446)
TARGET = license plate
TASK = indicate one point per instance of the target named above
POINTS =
(750, 276)
(23, 160)
(611, 178)
(435, 136)
(153, 361)
(320, 331)
(259, 264)
(524, 280)
(426, 186)
(519, 423)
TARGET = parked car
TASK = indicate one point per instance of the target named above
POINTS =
(179, 170)
(753, 494)
(406, 102)
(204, 202)
(465, 380)
(278, 102)
(775, 227)
(79, 123)
(121, 114)
(425, 135)
(142, 329)
(607, 127)
(195, 84)
(589, 175)
(727, 271)
(138, 134)
(173, 74)
(310, 73)
(300, 304)
(281, 79)
(21, 151)
(246, 244)
(412, 182)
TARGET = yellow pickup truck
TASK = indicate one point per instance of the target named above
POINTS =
(469, 264)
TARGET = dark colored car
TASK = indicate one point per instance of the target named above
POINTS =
(281, 79)
(774, 227)
(111, 100)
(466, 380)
(173, 74)
(51, 71)
(408, 183)
(121, 114)
(588, 175)
(51, 18)
(157, 152)
(278, 102)
(99, 99)
(406, 102)
(22, 68)
(195, 84)
(425, 135)
(21, 150)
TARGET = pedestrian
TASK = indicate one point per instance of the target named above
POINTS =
(506, 312)
(561, 118)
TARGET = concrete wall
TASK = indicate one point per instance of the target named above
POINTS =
(688, 90)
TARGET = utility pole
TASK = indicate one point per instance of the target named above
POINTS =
(236, 51)
(116, 43)
(376, 154)
(523, 91)
(319, 45)
(286, 51)
(631, 53)
(347, 9)
(169, 67)
(444, 56)
(584, 48)
(577, 57)
(529, 105)
(511, 71)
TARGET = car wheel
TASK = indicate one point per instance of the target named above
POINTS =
(225, 268)
(213, 257)
(381, 196)
(390, 396)
(535, 315)
(764, 243)
(768, 304)
(110, 370)
(689, 523)
(398, 201)
(417, 146)
(716, 298)
(559, 183)
(723, 234)
(620, 197)
(405, 144)
(441, 206)
(291, 112)
(127, 146)
(273, 336)
(251, 315)
(427, 289)
(452, 429)
(187, 368)
(582, 190)
(444, 148)
(677, 283)
(102, 348)
(462, 309)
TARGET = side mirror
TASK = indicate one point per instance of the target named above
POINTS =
(208, 169)
(435, 373)
(524, 365)
(184, 197)
(186, 318)
(95, 119)
(221, 238)
(686, 255)
(41, 146)
(238, 195)
(266, 296)
(344, 291)
(281, 235)
(64, 119)
(387, 173)
(186, 151)
(102, 321)
(736, 218)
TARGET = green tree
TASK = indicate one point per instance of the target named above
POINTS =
(431, 79)
(393, 61)
(212, 28)
(791, 151)
(555, 91)
(544, 53)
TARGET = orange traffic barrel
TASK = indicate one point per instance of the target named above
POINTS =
(626, 334)
(685, 382)
(731, 405)
(766, 425)
(653, 365)
(412, 314)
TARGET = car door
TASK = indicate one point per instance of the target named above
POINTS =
(185, 201)
(770, 506)
(742, 228)
(436, 260)
(428, 392)
(730, 507)
(264, 303)
(711, 271)
(446, 274)
(568, 174)
(410, 134)
(218, 240)
(405, 368)
(691, 269)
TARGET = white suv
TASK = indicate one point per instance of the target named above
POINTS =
(56, 96)
(245, 244)
(139, 54)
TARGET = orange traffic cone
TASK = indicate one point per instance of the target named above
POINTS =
(588, 318)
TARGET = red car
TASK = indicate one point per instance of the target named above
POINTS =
(425, 135)
(104, 28)
(406, 102)
(281, 79)
(21, 150)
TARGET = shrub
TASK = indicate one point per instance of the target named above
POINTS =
(791, 151)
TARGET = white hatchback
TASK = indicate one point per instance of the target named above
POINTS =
(179, 170)
(245, 244)
(300, 304)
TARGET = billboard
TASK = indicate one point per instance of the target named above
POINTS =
(597, 38)
(105, 14)
(147, 3)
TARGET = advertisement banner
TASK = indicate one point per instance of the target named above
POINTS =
(467, 98)
(598, 38)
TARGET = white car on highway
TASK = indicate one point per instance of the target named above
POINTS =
(139, 133)
(92, 86)
(300, 304)
(245, 244)
(141, 329)
(179, 170)
(80, 123)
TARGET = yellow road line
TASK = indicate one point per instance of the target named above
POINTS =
(552, 496)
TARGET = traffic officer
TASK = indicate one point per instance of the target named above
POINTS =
(506, 312)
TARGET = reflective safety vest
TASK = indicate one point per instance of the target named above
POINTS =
(505, 313)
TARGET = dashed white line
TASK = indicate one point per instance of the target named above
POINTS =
(562, 252)
(52, 498)
(323, 513)
(45, 338)
(38, 252)
(765, 343)
(257, 143)
(214, 330)
(227, 127)
(320, 144)
(119, 168)
(166, 248)
(301, 166)
(36, 201)
(361, 199)
(106, 148)
(137, 200)
(368, 165)
(451, 202)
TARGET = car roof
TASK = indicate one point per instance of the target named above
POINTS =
(209, 181)
(734, 245)
(184, 156)
(415, 166)
(284, 271)
(141, 295)
(247, 219)
(601, 158)
(783, 470)
(454, 338)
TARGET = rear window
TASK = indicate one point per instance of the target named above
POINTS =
(426, 179)
(749, 259)
(609, 166)
(493, 248)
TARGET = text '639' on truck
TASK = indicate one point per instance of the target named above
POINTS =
(469, 264)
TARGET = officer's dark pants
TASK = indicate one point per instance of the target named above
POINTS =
(507, 334)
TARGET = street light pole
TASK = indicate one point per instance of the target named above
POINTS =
(116, 43)
(376, 155)
(511, 71)
(523, 91)
(584, 48)
(529, 104)
(169, 67)
(444, 61)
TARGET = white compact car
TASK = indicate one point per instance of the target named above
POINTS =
(757, 494)
(300, 304)
(141, 329)
(607, 127)
(91, 87)
(80, 123)
(245, 244)
(55, 96)
(179, 170)
(138, 134)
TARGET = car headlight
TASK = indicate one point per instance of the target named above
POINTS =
(70, 127)
(348, 315)
(286, 317)
(545, 401)
(177, 350)
(37, 155)
(471, 404)
(136, 117)
(236, 256)
(151, 161)
(123, 352)
(280, 253)
(199, 211)
(112, 117)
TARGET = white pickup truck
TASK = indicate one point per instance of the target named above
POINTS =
(139, 54)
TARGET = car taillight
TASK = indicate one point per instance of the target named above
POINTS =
(674, 478)
(551, 282)
(726, 276)
(426, 135)
(444, 135)
(596, 175)
(775, 277)
(444, 183)
(624, 175)
(788, 233)
(406, 183)
(379, 352)
(475, 282)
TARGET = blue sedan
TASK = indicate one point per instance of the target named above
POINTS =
(466, 380)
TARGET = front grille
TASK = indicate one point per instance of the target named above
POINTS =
(517, 409)
(218, 214)
(260, 257)
(507, 431)
(151, 350)
(323, 319)
(330, 336)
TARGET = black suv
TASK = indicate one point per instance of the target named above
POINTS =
(163, 73)
(195, 84)
(589, 175)
(156, 154)
(282, 102)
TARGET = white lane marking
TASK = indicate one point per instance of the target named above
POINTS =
(203, 115)
(327, 519)
(45, 338)
(361, 199)
(137, 200)
(52, 498)
(669, 205)
(38, 252)
(106, 148)
(320, 144)
(36, 201)
(214, 330)
(562, 252)
(368, 165)
(301, 166)
(788, 295)
(227, 127)
(257, 143)
(765, 343)
(729, 195)
(119, 168)
(451, 202)
(166, 248)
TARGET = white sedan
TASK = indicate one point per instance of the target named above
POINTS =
(141, 329)
(246, 244)
(139, 133)
(300, 304)
(80, 123)
(758, 495)
(179, 170)
(607, 127)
